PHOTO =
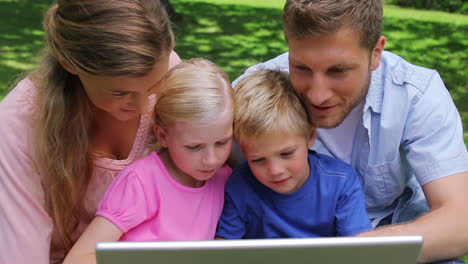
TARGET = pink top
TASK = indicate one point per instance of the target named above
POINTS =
(147, 204)
(25, 227)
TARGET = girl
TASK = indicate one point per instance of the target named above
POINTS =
(178, 192)
(73, 124)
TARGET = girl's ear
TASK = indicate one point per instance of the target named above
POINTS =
(67, 67)
(313, 133)
(161, 135)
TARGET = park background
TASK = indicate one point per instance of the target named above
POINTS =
(236, 34)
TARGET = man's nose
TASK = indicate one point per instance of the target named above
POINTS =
(318, 91)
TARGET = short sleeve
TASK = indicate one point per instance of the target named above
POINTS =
(351, 215)
(230, 224)
(433, 135)
(125, 202)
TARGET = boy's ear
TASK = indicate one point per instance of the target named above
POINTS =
(313, 133)
(161, 135)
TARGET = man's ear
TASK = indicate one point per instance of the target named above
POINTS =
(67, 67)
(313, 134)
(377, 53)
(161, 135)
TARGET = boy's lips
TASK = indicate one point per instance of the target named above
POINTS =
(281, 181)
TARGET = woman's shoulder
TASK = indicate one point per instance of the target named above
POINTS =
(24, 92)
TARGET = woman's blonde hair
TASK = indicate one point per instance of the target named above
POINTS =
(266, 103)
(195, 91)
(102, 38)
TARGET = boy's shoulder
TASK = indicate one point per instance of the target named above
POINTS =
(241, 177)
(330, 166)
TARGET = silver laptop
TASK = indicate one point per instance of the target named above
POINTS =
(361, 250)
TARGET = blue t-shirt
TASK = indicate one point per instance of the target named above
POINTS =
(330, 203)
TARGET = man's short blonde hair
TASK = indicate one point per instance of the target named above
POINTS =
(266, 103)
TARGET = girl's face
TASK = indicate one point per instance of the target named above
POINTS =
(124, 98)
(195, 152)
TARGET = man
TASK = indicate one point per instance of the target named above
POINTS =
(394, 122)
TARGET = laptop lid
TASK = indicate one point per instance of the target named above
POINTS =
(337, 250)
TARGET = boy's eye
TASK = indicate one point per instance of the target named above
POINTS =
(338, 70)
(286, 154)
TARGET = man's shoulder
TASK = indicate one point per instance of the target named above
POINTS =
(401, 72)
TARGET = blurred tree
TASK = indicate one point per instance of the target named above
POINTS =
(171, 11)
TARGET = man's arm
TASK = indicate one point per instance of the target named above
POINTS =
(445, 227)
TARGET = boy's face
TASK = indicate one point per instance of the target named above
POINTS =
(280, 162)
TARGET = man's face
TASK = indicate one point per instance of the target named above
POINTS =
(332, 73)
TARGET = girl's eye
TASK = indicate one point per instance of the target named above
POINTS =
(220, 143)
(193, 147)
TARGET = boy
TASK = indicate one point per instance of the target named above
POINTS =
(284, 190)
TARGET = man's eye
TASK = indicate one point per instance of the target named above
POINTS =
(301, 67)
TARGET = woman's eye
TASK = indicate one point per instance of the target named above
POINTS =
(119, 94)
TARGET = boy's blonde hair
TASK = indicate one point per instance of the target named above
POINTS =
(194, 91)
(266, 103)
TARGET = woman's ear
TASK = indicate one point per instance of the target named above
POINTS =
(161, 135)
(67, 67)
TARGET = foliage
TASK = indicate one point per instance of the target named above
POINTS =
(454, 6)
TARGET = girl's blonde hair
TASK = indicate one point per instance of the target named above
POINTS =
(102, 38)
(194, 91)
(266, 103)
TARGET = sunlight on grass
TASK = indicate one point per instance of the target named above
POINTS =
(425, 15)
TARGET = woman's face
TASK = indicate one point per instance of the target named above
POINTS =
(124, 98)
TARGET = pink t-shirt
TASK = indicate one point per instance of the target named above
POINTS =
(25, 227)
(147, 204)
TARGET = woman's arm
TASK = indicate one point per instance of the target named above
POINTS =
(99, 230)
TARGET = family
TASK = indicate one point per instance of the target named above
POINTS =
(114, 138)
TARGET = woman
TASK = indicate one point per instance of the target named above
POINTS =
(74, 123)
